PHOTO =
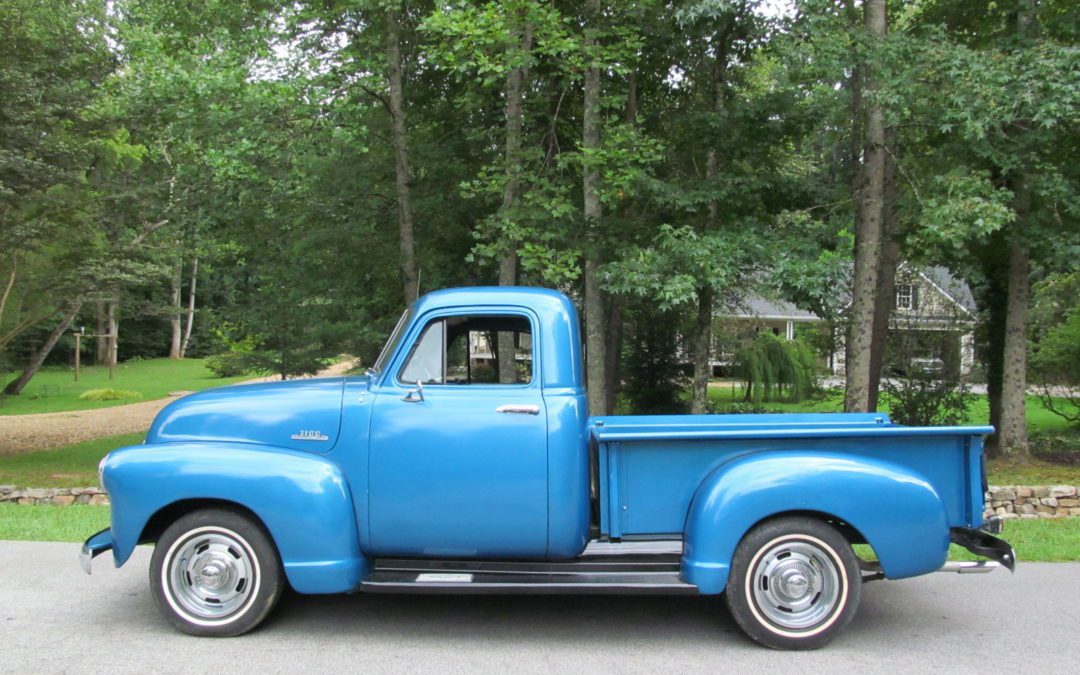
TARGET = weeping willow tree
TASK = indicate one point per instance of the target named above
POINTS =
(775, 369)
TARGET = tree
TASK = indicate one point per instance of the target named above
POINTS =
(870, 198)
(402, 173)
(595, 338)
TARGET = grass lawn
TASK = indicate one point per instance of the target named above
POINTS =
(68, 466)
(54, 389)
(1034, 540)
(46, 522)
(1039, 419)
(1043, 540)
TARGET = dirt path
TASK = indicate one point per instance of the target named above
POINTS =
(27, 433)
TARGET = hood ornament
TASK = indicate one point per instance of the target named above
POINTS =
(310, 435)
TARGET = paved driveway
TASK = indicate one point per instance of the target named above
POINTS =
(54, 618)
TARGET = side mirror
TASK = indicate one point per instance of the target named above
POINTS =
(415, 395)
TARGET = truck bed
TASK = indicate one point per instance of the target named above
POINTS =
(649, 467)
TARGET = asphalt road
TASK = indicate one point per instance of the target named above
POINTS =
(54, 618)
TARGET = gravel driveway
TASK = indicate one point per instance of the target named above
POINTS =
(27, 433)
(53, 618)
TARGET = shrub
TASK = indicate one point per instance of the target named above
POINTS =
(921, 401)
(775, 369)
(108, 394)
(738, 408)
(237, 358)
(228, 364)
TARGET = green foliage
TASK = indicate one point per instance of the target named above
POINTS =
(109, 394)
(655, 381)
(1055, 350)
(235, 358)
(920, 400)
(774, 369)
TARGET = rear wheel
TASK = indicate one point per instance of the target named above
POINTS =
(794, 583)
(215, 573)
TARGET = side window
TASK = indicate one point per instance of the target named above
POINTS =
(426, 361)
(464, 350)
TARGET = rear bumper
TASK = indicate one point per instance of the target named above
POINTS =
(982, 543)
(93, 547)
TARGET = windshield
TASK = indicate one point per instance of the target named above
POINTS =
(391, 345)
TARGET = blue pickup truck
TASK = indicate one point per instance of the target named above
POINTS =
(465, 461)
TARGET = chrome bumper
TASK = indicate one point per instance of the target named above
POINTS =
(972, 567)
(93, 547)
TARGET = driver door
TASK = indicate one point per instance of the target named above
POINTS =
(458, 462)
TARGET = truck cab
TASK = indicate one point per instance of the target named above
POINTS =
(465, 461)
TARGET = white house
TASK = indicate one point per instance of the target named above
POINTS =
(931, 326)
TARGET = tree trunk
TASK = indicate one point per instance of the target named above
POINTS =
(890, 257)
(402, 176)
(595, 340)
(706, 295)
(702, 345)
(101, 342)
(16, 386)
(1013, 433)
(190, 307)
(994, 263)
(1012, 438)
(516, 53)
(867, 236)
(613, 352)
(613, 349)
(113, 318)
(8, 286)
(174, 312)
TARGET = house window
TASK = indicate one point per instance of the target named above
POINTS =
(905, 296)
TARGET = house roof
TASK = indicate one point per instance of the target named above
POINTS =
(757, 306)
(765, 308)
(956, 289)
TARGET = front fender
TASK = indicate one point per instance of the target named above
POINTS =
(896, 510)
(302, 499)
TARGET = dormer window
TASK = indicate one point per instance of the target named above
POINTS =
(905, 296)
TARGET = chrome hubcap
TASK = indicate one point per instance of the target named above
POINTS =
(796, 585)
(212, 575)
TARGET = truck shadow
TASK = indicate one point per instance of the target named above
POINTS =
(569, 620)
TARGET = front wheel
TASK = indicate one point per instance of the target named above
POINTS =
(794, 583)
(215, 573)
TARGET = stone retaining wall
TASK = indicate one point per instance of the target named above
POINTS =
(1009, 501)
(62, 496)
(1032, 501)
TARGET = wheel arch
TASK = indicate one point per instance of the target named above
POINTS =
(302, 501)
(891, 508)
(168, 514)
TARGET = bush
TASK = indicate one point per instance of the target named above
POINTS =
(236, 360)
(737, 408)
(228, 364)
(654, 382)
(775, 369)
(108, 394)
(921, 401)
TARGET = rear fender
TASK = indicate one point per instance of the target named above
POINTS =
(302, 499)
(897, 511)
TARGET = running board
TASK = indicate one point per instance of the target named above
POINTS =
(603, 568)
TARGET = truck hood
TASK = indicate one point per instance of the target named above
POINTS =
(297, 414)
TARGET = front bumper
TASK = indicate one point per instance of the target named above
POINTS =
(93, 547)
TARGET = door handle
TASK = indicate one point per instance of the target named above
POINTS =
(519, 409)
